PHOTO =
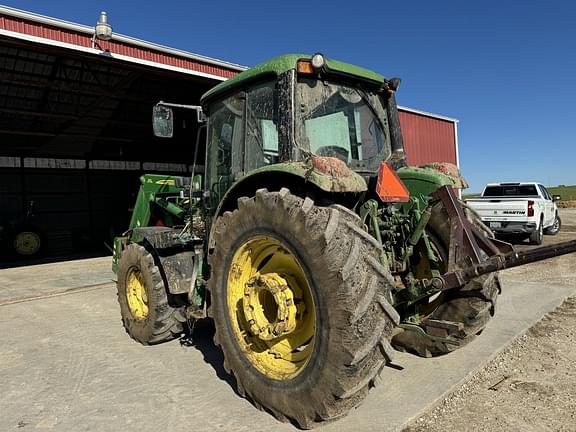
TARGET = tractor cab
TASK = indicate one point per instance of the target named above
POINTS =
(294, 107)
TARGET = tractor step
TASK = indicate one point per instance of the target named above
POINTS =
(432, 336)
(441, 328)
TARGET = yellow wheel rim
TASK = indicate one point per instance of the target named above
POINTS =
(271, 308)
(27, 243)
(136, 294)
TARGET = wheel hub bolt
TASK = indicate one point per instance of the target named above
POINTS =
(268, 306)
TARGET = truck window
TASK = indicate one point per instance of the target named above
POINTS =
(545, 193)
(511, 191)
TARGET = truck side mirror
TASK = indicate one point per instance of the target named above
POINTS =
(162, 121)
(556, 198)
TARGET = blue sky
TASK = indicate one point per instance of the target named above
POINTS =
(505, 69)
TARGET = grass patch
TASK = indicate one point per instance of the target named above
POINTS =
(568, 193)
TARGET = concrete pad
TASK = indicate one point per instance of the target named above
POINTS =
(67, 365)
(54, 278)
(404, 394)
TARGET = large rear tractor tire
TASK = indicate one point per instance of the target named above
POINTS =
(146, 313)
(301, 306)
(471, 306)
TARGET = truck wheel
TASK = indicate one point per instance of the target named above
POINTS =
(470, 306)
(301, 305)
(146, 313)
(537, 236)
(555, 228)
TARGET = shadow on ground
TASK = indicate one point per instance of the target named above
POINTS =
(201, 337)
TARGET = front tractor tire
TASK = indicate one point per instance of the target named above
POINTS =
(147, 315)
(301, 306)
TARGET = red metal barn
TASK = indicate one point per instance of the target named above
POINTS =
(428, 137)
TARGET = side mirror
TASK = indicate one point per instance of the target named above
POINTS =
(162, 121)
(556, 198)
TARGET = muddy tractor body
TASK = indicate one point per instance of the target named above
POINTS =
(306, 238)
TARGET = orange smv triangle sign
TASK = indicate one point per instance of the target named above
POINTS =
(389, 186)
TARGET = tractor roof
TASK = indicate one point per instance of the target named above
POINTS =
(281, 64)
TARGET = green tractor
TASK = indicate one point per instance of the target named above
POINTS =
(306, 238)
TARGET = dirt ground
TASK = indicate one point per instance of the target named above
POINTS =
(530, 385)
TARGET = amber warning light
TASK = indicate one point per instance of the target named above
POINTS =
(305, 67)
(389, 186)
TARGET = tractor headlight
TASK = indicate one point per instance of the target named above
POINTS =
(318, 61)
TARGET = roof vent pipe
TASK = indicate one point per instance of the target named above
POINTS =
(102, 30)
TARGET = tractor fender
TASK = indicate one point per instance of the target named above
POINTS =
(425, 180)
(325, 174)
(175, 260)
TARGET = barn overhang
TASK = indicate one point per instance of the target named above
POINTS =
(44, 30)
(64, 95)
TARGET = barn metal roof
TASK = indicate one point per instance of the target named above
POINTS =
(428, 114)
(36, 28)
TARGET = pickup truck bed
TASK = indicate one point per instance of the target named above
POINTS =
(518, 209)
(504, 215)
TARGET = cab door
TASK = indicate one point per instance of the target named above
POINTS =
(549, 212)
(242, 136)
(225, 145)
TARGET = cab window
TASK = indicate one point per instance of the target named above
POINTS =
(261, 127)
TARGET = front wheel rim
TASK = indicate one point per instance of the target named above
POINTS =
(136, 294)
(271, 308)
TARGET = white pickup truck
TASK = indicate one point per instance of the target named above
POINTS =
(521, 210)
